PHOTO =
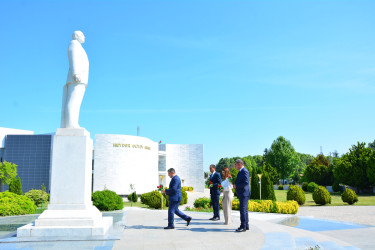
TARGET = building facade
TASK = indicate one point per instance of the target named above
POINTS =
(32, 154)
(118, 162)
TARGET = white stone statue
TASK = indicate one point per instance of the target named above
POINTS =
(76, 83)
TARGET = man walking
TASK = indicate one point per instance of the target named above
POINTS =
(215, 178)
(175, 197)
(243, 193)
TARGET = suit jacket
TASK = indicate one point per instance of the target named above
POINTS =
(78, 63)
(243, 183)
(174, 191)
(216, 181)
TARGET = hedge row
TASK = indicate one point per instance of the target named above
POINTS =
(267, 206)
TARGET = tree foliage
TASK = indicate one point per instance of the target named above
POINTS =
(8, 171)
(354, 167)
(272, 172)
(283, 157)
(15, 186)
(268, 192)
(319, 171)
(254, 182)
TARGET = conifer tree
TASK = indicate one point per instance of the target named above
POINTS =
(268, 192)
(254, 185)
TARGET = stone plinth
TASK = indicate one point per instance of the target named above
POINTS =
(70, 212)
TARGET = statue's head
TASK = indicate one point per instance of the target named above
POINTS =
(78, 35)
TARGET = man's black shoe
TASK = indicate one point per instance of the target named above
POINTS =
(216, 218)
(169, 227)
(212, 218)
(247, 228)
(188, 221)
(241, 229)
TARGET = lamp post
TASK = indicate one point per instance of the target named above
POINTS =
(161, 183)
(260, 186)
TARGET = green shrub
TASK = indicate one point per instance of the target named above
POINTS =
(191, 188)
(166, 199)
(321, 196)
(133, 197)
(304, 186)
(312, 186)
(37, 196)
(154, 200)
(281, 187)
(336, 187)
(184, 197)
(349, 196)
(107, 200)
(14, 204)
(202, 202)
(145, 197)
(15, 186)
(295, 193)
(268, 206)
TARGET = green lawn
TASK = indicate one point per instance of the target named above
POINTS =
(139, 204)
(363, 199)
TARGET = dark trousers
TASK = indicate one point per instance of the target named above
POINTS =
(215, 204)
(244, 215)
(173, 209)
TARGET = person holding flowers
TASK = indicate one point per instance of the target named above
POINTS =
(227, 196)
(215, 179)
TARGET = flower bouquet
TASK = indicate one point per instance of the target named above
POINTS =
(160, 187)
(220, 187)
(209, 184)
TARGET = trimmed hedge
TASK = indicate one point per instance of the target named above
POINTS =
(107, 200)
(304, 186)
(202, 202)
(37, 196)
(295, 193)
(15, 186)
(321, 196)
(336, 187)
(267, 206)
(280, 187)
(14, 204)
(312, 186)
(153, 199)
(349, 196)
(133, 197)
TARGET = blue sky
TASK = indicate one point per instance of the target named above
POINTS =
(232, 75)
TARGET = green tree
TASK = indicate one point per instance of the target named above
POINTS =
(371, 168)
(8, 171)
(268, 192)
(258, 160)
(249, 163)
(272, 172)
(283, 157)
(351, 168)
(254, 182)
(372, 145)
(320, 171)
(15, 186)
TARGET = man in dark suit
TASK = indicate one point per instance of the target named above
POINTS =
(243, 193)
(215, 178)
(175, 197)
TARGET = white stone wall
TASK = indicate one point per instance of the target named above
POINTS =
(188, 161)
(121, 160)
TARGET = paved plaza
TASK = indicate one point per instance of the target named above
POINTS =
(318, 227)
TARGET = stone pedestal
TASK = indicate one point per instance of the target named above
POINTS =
(70, 211)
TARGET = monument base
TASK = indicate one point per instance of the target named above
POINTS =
(70, 212)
